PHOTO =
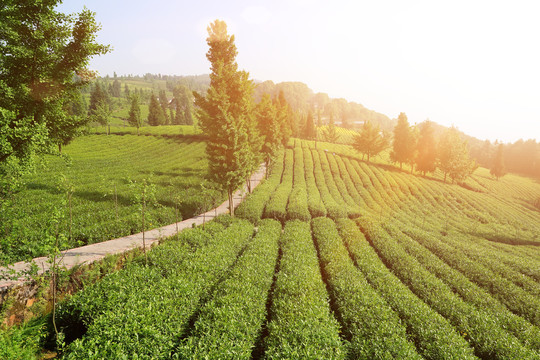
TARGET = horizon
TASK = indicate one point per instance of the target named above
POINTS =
(475, 68)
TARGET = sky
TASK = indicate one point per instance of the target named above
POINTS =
(473, 64)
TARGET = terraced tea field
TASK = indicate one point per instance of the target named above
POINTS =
(334, 259)
(105, 174)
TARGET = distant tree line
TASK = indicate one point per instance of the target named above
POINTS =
(301, 99)
(522, 156)
(418, 147)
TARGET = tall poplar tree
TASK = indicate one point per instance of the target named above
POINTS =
(224, 113)
(426, 160)
(284, 115)
(269, 127)
(404, 145)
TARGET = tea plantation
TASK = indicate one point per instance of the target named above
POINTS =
(329, 258)
(102, 176)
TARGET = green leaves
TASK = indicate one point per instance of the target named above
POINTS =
(224, 114)
(301, 325)
(40, 52)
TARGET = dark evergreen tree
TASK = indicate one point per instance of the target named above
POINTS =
(155, 112)
(98, 96)
(309, 127)
(116, 88)
(135, 118)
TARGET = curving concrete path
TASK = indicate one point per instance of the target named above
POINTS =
(90, 253)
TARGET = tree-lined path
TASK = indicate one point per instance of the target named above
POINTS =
(93, 252)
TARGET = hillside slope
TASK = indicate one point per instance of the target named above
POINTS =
(372, 263)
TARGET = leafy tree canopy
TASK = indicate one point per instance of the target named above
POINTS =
(44, 56)
(370, 141)
(225, 113)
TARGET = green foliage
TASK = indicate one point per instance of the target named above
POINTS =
(164, 103)
(135, 118)
(35, 99)
(297, 207)
(301, 325)
(269, 127)
(434, 337)
(498, 169)
(155, 112)
(309, 129)
(224, 113)
(369, 140)
(365, 316)
(178, 164)
(253, 206)
(334, 210)
(183, 100)
(454, 158)
(404, 142)
(478, 325)
(22, 342)
(330, 134)
(426, 148)
(141, 310)
(315, 204)
(228, 325)
(276, 208)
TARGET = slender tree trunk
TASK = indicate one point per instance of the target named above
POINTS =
(115, 202)
(143, 238)
(54, 285)
(231, 202)
(70, 215)
(60, 148)
(176, 215)
(248, 184)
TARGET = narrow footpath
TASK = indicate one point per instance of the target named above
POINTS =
(90, 253)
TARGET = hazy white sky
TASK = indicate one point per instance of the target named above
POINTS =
(474, 64)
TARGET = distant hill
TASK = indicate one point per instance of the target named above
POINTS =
(345, 113)
(521, 157)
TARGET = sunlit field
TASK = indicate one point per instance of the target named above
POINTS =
(104, 175)
(372, 232)
(346, 260)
